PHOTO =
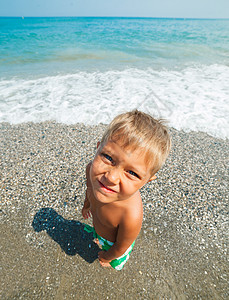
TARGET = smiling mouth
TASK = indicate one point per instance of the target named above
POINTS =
(105, 188)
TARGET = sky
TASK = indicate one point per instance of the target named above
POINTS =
(116, 8)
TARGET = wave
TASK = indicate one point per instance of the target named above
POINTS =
(194, 98)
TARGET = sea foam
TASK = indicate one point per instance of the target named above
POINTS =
(194, 98)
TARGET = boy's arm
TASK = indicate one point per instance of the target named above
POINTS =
(128, 231)
(86, 207)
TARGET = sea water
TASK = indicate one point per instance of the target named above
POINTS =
(91, 69)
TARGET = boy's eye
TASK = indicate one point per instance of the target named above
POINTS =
(108, 157)
(133, 174)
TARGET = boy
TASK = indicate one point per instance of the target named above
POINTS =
(132, 150)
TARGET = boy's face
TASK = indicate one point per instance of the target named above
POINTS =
(117, 173)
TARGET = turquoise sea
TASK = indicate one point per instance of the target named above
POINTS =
(90, 69)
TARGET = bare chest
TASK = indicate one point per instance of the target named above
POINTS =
(106, 215)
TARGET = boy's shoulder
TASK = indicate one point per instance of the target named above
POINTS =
(88, 167)
(88, 172)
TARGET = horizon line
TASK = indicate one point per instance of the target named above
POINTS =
(122, 17)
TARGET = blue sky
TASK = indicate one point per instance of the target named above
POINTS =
(128, 8)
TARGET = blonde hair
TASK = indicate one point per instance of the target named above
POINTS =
(135, 130)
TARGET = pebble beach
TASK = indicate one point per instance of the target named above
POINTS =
(181, 252)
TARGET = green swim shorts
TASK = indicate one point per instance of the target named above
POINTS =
(117, 263)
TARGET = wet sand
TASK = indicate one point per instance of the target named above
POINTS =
(181, 252)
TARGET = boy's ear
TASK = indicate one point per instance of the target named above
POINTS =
(152, 178)
(98, 144)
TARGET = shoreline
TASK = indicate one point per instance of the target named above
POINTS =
(6, 124)
(181, 251)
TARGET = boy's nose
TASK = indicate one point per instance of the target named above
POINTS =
(112, 176)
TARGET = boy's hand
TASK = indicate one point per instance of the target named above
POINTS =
(103, 262)
(86, 212)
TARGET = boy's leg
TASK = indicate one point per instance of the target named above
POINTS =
(96, 241)
(117, 263)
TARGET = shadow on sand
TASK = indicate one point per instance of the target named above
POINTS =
(69, 234)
